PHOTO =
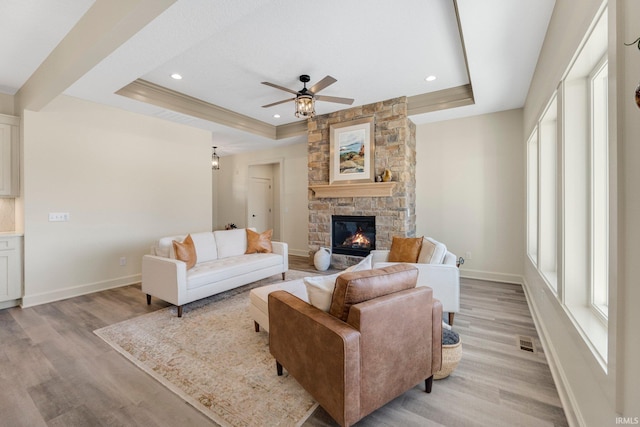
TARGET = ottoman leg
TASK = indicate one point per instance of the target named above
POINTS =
(256, 326)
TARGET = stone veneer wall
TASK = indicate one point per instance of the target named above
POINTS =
(395, 149)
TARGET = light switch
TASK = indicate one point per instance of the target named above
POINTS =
(58, 216)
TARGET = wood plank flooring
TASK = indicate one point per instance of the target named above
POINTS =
(55, 372)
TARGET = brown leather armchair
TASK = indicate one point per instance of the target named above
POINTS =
(381, 337)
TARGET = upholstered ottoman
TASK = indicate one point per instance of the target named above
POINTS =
(258, 308)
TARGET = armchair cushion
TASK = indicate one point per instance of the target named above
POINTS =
(405, 249)
(356, 287)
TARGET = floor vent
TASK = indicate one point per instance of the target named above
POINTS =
(526, 344)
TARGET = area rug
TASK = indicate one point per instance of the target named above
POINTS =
(213, 359)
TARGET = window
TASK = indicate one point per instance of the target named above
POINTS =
(532, 197)
(547, 252)
(600, 190)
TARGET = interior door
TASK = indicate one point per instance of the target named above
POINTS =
(259, 204)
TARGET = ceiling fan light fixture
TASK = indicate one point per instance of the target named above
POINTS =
(305, 106)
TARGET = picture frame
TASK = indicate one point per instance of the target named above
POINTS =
(352, 152)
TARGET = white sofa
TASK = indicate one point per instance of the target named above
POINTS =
(441, 274)
(221, 265)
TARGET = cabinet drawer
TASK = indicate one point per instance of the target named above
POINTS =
(8, 243)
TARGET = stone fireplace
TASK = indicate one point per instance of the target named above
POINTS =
(395, 149)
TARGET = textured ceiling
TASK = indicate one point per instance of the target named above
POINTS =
(376, 49)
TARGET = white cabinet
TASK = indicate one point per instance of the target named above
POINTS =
(10, 267)
(9, 156)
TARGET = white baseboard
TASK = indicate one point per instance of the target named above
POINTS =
(299, 252)
(490, 276)
(567, 398)
(9, 304)
(75, 291)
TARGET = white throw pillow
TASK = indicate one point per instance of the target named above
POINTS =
(439, 252)
(365, 264)
(320, 290)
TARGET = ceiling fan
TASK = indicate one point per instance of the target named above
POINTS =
(305, 98)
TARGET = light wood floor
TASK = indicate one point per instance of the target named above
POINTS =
(55, 372)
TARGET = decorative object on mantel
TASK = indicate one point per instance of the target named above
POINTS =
(637, 94)
(365, 189)
(322, 259)
(387, 175)
(230, 226)
(352, 152)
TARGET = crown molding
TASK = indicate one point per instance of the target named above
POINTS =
(151, 93)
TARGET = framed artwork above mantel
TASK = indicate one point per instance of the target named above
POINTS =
(352, 152)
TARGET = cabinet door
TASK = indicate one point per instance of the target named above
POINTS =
(10, 269)
(8, 160)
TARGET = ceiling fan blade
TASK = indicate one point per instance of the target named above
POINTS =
(279, 102)
(347, 101)
(322, 84)
(280, 87)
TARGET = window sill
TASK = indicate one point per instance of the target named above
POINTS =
(592, 329)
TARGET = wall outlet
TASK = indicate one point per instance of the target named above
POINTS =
(58, 216)
(123, 261)
(467, 255)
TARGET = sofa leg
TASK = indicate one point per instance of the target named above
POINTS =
(256, 326)
(428, 383)
(283, 274)
(278, 368)
(451, 318)
(148, 299)
(179, 311)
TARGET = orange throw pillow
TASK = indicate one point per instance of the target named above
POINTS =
(186, 251)
(259, 243)
(405, 249)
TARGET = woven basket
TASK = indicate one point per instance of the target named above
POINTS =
(451, 355)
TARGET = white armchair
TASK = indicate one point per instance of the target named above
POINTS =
(442, 276)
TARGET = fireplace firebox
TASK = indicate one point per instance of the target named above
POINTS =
(353, 235)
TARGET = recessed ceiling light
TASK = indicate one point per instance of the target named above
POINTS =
(276, 116)
(430, 78)
(176, 76)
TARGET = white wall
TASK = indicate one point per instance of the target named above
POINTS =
(124, 178)
(469, 181)
(232, 181)
(593, 397)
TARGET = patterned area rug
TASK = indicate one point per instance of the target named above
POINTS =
(213, 359)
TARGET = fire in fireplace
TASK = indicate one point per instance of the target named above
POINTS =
(353, 235)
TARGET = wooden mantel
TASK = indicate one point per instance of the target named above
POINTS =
(367, 189)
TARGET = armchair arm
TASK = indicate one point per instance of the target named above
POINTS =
(444, 279)
(379, 255)
(320, 351)
(281, 248)
(165, 278)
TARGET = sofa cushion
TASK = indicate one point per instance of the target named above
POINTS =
(205, 245)
(231, 242)
(320, 288)
(259, 243)
(405, 249)
(356, 287)
(186, 251)
(230, 267)
(438, 251)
